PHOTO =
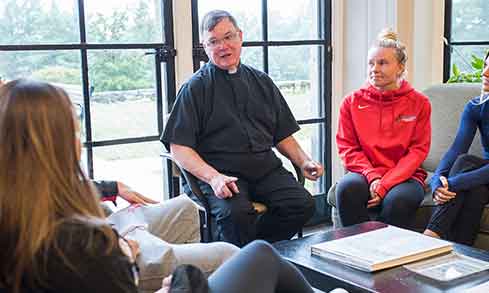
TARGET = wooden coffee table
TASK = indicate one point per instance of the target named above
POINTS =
(327, 275)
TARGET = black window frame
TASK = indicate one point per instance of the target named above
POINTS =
(325, 79)
(450, 43)
(164, 52)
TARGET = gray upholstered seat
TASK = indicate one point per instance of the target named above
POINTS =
(447, 103)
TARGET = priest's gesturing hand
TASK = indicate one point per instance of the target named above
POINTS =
(224, 186)
(312, 170)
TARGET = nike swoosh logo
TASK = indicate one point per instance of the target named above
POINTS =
(362, 107)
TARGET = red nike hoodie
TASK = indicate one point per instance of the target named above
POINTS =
(385, 135)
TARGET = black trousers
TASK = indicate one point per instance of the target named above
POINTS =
(398, 207)
(258, 268)
(459, 219)
(289, 206)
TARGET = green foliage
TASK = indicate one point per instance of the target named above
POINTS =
(104, 29)
(474, 76)
(29, 22)
(58, 73)
(120, 70)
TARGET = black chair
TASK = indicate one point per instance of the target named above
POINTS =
(206, 219)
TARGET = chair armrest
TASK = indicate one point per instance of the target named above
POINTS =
(194, 187)
(189, 178)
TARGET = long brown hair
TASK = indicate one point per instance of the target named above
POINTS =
(41, 182)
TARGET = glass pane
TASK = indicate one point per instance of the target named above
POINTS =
(247, 14)
(39, 21)
(469, 20)
(293, 20)
(462, 56)
(311, 141)
(84, 160)
(59, 67)
(123, 21)
(137, 165)
(253, 56)
(123, 96)
(295, 70)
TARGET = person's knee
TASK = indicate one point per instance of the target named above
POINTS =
(259, 245)
(350, 187)
(476, 198)
(184, 203)
(237, 214)
(298, 207)
(399, 211)
(402, 204)
(261, 249)
(462, 163)
(397, 206)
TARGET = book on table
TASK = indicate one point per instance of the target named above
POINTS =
(381, 249)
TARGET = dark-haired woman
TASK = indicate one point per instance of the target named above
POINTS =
(460, 184)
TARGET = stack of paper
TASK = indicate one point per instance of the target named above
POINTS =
(382, 248)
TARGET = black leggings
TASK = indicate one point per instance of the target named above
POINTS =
(459, 219)
(258, 268)
(398, 207)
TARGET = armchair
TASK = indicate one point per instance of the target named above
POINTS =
(207, 222)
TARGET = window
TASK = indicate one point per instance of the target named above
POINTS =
(466, 32)
(117, 59)
(291, 41)
(113, 57)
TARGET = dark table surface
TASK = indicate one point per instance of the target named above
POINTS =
(327, 275)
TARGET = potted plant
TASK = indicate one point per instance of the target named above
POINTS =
(477, 65)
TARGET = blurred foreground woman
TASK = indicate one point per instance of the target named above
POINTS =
(53, 236)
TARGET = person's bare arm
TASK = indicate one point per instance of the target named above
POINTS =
(133, 196)
(290, 148)
(222, 185)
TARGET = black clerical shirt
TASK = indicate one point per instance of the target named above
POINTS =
(231, 120)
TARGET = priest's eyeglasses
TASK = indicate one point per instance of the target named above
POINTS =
(231, 37)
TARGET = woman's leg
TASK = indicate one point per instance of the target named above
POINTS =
(352, 194)
(208, 257)
(452, 220)
(175, 220)
(443, 217)
(258, 268)
(467, 225)
(401, 202)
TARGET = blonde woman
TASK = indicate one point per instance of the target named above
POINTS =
(384, 135)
